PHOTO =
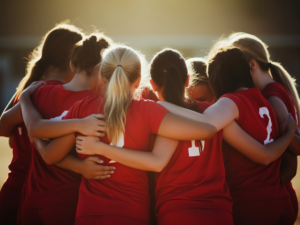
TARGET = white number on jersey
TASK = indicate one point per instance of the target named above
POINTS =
(264, 111)
(120, 144)
(195, 151)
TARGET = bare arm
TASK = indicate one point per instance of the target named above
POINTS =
(54, 151)
(89, 167)
(288, 167)
(234, 135)
(281, 113)
(41, 128)
(220, 114)
(155, 161)
(5, 131)
(11, 115)
(180, 128)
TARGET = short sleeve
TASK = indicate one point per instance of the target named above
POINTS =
(154, 114)
(73, 113)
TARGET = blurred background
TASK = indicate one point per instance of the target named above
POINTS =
(190, 26)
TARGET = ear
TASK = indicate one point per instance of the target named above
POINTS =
(153, 85)
(253, 64)
(187, 81)
(72, 67)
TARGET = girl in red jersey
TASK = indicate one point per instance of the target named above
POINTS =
(184, 194)
(123, 198)
(258, 194)
(198, 88)
(49, 61)
(279, 88)
(51, 193)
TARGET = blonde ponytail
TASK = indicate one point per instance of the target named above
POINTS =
(280, 75)
(121, 67)
(254, 48)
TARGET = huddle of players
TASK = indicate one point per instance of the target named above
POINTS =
(245, 100)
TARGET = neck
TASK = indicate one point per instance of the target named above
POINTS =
(55, 74)
(80, 82)
(263, 79)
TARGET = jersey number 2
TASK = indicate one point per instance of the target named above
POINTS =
(264, 111)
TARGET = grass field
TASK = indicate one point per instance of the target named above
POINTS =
(6, 156)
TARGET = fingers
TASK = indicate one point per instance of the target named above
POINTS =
(106, 168)
(95, 159)
(99, 116)
(101, 177)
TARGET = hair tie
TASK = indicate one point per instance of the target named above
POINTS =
(119, 65)
(269, 65)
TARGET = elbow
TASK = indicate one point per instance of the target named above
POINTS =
(158, 167)
(265, 161)
(211, 133)
(50, 160)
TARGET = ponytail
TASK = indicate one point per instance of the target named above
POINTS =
(174, 87)
(280, 75)
(121, 67)
(118, 98)
(254, 48)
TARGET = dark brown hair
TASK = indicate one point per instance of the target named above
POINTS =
(168, 70)
(228, 70)
(88, 53)
(54, 50)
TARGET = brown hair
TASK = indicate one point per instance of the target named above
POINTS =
(54, 50)
(168, 70)
(254, 48)
(197, 70)
(228, 70)
(88, 52)
(120, 67)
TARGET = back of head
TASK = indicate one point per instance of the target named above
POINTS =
(228, 70)
(88, 52)
(197, 70)
(55, 50)
(120, 68)
(254, 48)
(168, 71)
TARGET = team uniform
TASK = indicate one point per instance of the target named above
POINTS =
(278, 90)
(259, 196)
(123, 198)
(147, 93)
(50, 193)
(192, 188)
(11, 190)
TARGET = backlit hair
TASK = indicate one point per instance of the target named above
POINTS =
(121, 67)
(254, 48)
(54, 50)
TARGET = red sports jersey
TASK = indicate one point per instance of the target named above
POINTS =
(278, 90)
(125, 193)
(48, 185)
(20, 163)
(194, 177)
(249, 181)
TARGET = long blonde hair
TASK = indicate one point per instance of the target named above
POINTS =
(120, 67)
(254, 48)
